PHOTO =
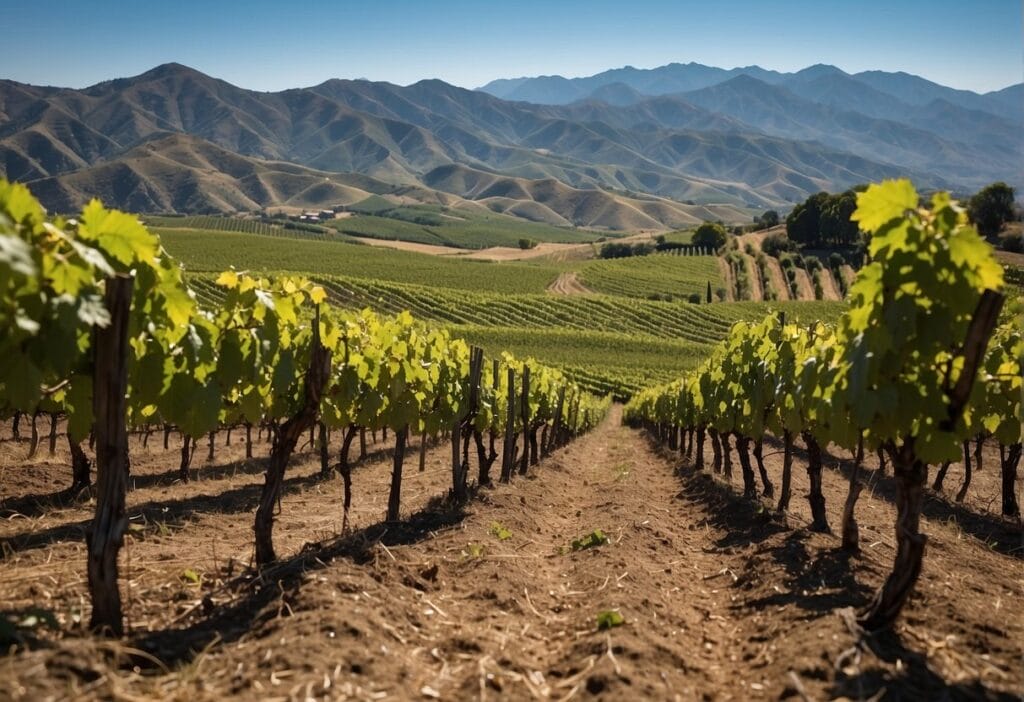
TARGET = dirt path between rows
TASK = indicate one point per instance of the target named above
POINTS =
(829, 287)
(727, 278)
(719, 599)
(754, 275)
(568, 284)
(778, 279)
(804, 284)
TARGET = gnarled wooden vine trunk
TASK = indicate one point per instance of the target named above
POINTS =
(743, 450)
(787, 471)
(910, 475)
(80, 465)
(110, 384)
(819, 518)
(1009, 459)
(287, 437)
(769, 489)
(395, 496)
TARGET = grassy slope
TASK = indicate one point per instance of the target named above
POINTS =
(210, 251)
(432, 224)
(423, 224)
(658, 276)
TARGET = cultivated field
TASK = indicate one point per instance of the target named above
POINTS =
(720, 599)
(610, 559)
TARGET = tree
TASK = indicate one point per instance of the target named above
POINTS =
(836, 227)
(767, 220)
(710, 234)
(776, 245)
(991, 208)
(803, 225)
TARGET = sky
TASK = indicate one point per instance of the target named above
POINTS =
(972, 44)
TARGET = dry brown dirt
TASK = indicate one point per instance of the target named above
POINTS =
(558, 252)
(568, 284)
(721, 599)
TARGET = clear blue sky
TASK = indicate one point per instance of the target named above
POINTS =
(973, 44)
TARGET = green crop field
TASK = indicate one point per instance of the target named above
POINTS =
(660, 276)
(377, 218)
(679, 237)
(638, 331)
(217, 250)
(601, 361)
(434, 224)
(610, 343)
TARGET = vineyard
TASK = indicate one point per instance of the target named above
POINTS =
(635, 334)
(887, 379)
(433, 224)
(307, 469)
(661, 277)
(212, 252)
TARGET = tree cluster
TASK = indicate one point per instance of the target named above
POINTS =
(622, 250)
(823, 220)
(711, 234)
(767, 220)
(991, 208)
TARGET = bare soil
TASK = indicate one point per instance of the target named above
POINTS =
(754, 274)
(727, 278)
(804, 285)
(720, 598)
(557, 252)
(568, 284)
(778, 279)
(829, 287)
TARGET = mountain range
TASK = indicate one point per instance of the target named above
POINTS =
(624, 149)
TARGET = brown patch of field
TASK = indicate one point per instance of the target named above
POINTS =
(568, 284)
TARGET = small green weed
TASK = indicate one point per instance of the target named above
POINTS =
(500, 532)
(609, 619)
(474, 551)
(592, 540)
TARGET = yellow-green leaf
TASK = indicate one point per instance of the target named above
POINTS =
(883, 202)
(228, 279)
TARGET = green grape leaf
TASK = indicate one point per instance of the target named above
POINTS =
(17, 201)
(177, 303)
(23, 381)
(121, 235)
(92, 311)
(881, 203)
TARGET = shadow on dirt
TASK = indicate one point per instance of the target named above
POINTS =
(995, 532)
(258, 594)
(817, 580)
(157, 516)
(860, 678)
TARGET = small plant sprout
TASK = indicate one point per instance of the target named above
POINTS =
(592, 540)
(609, 619)
(500, 532)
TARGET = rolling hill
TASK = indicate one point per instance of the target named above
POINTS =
(965, 138)
(708, 143)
